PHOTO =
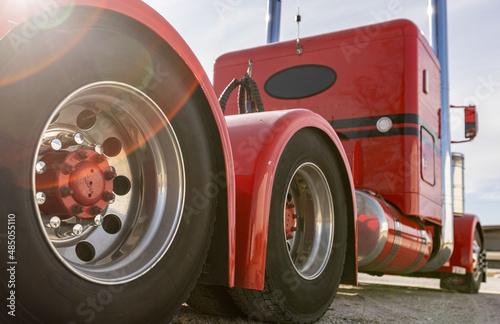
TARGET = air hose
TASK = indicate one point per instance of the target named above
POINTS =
(249, 99)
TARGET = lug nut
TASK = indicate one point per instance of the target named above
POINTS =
(40, 167)
(77, 229)
(68, 140)
(77, 209)
(108, 196)
(291, 206)
(40, 198)
(294, 229)
(78, 138)
(295, 216)
(98, 220)
(82, 155)
(99, 158)
(54, 222)
(98, 148)
(289, 237)
(66, 191)
(56, 144)
(95, 210)
(109, 175)
(68, 168)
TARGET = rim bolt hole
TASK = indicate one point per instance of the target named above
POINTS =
(85, 251)
(112, 146)
(112, 224)
(121, 185)
(86, 119)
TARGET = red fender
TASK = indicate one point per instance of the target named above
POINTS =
(27, 13)
(258, 141)
(465, 229)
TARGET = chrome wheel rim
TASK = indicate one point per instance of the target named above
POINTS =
(116, 235)
(476, 259)
(309, 221)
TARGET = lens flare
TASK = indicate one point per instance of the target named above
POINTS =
(45, 22)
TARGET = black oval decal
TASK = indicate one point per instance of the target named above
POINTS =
(300, 81)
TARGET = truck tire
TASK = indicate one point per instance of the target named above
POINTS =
(307, 235)
(214, 300)
(105, 153)
(470, 282)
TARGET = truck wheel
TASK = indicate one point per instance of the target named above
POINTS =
(470, 282)
(101, 166)
(307, 235)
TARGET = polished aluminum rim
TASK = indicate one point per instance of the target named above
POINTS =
(309, 221)
(138, 220)
(476, 259)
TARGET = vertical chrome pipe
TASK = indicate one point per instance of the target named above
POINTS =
(273, 21)
(439, 38)
(457, 168)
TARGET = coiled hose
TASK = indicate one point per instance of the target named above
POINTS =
(248, 92)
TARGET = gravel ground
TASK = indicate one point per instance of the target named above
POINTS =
(392, 299)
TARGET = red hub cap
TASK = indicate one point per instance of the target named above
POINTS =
(290, 218)
(76, 183)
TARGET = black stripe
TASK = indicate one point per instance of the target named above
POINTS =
(376, 133)
(372, 121)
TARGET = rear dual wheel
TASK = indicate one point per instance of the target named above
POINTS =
(307, 235)
(100, 161)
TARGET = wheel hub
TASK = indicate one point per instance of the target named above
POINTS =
(78, 183)
(290, 220)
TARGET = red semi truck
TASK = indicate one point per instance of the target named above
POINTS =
(127, 188)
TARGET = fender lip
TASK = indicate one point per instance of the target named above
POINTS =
(256, 163)
(14, 13)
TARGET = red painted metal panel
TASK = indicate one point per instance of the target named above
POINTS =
(15, 12)
(380, 73)
(465, 229)
(258, 141)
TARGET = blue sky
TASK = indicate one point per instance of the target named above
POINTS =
(214, 27)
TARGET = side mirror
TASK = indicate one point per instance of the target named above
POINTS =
(471, 125)
(470, 122)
